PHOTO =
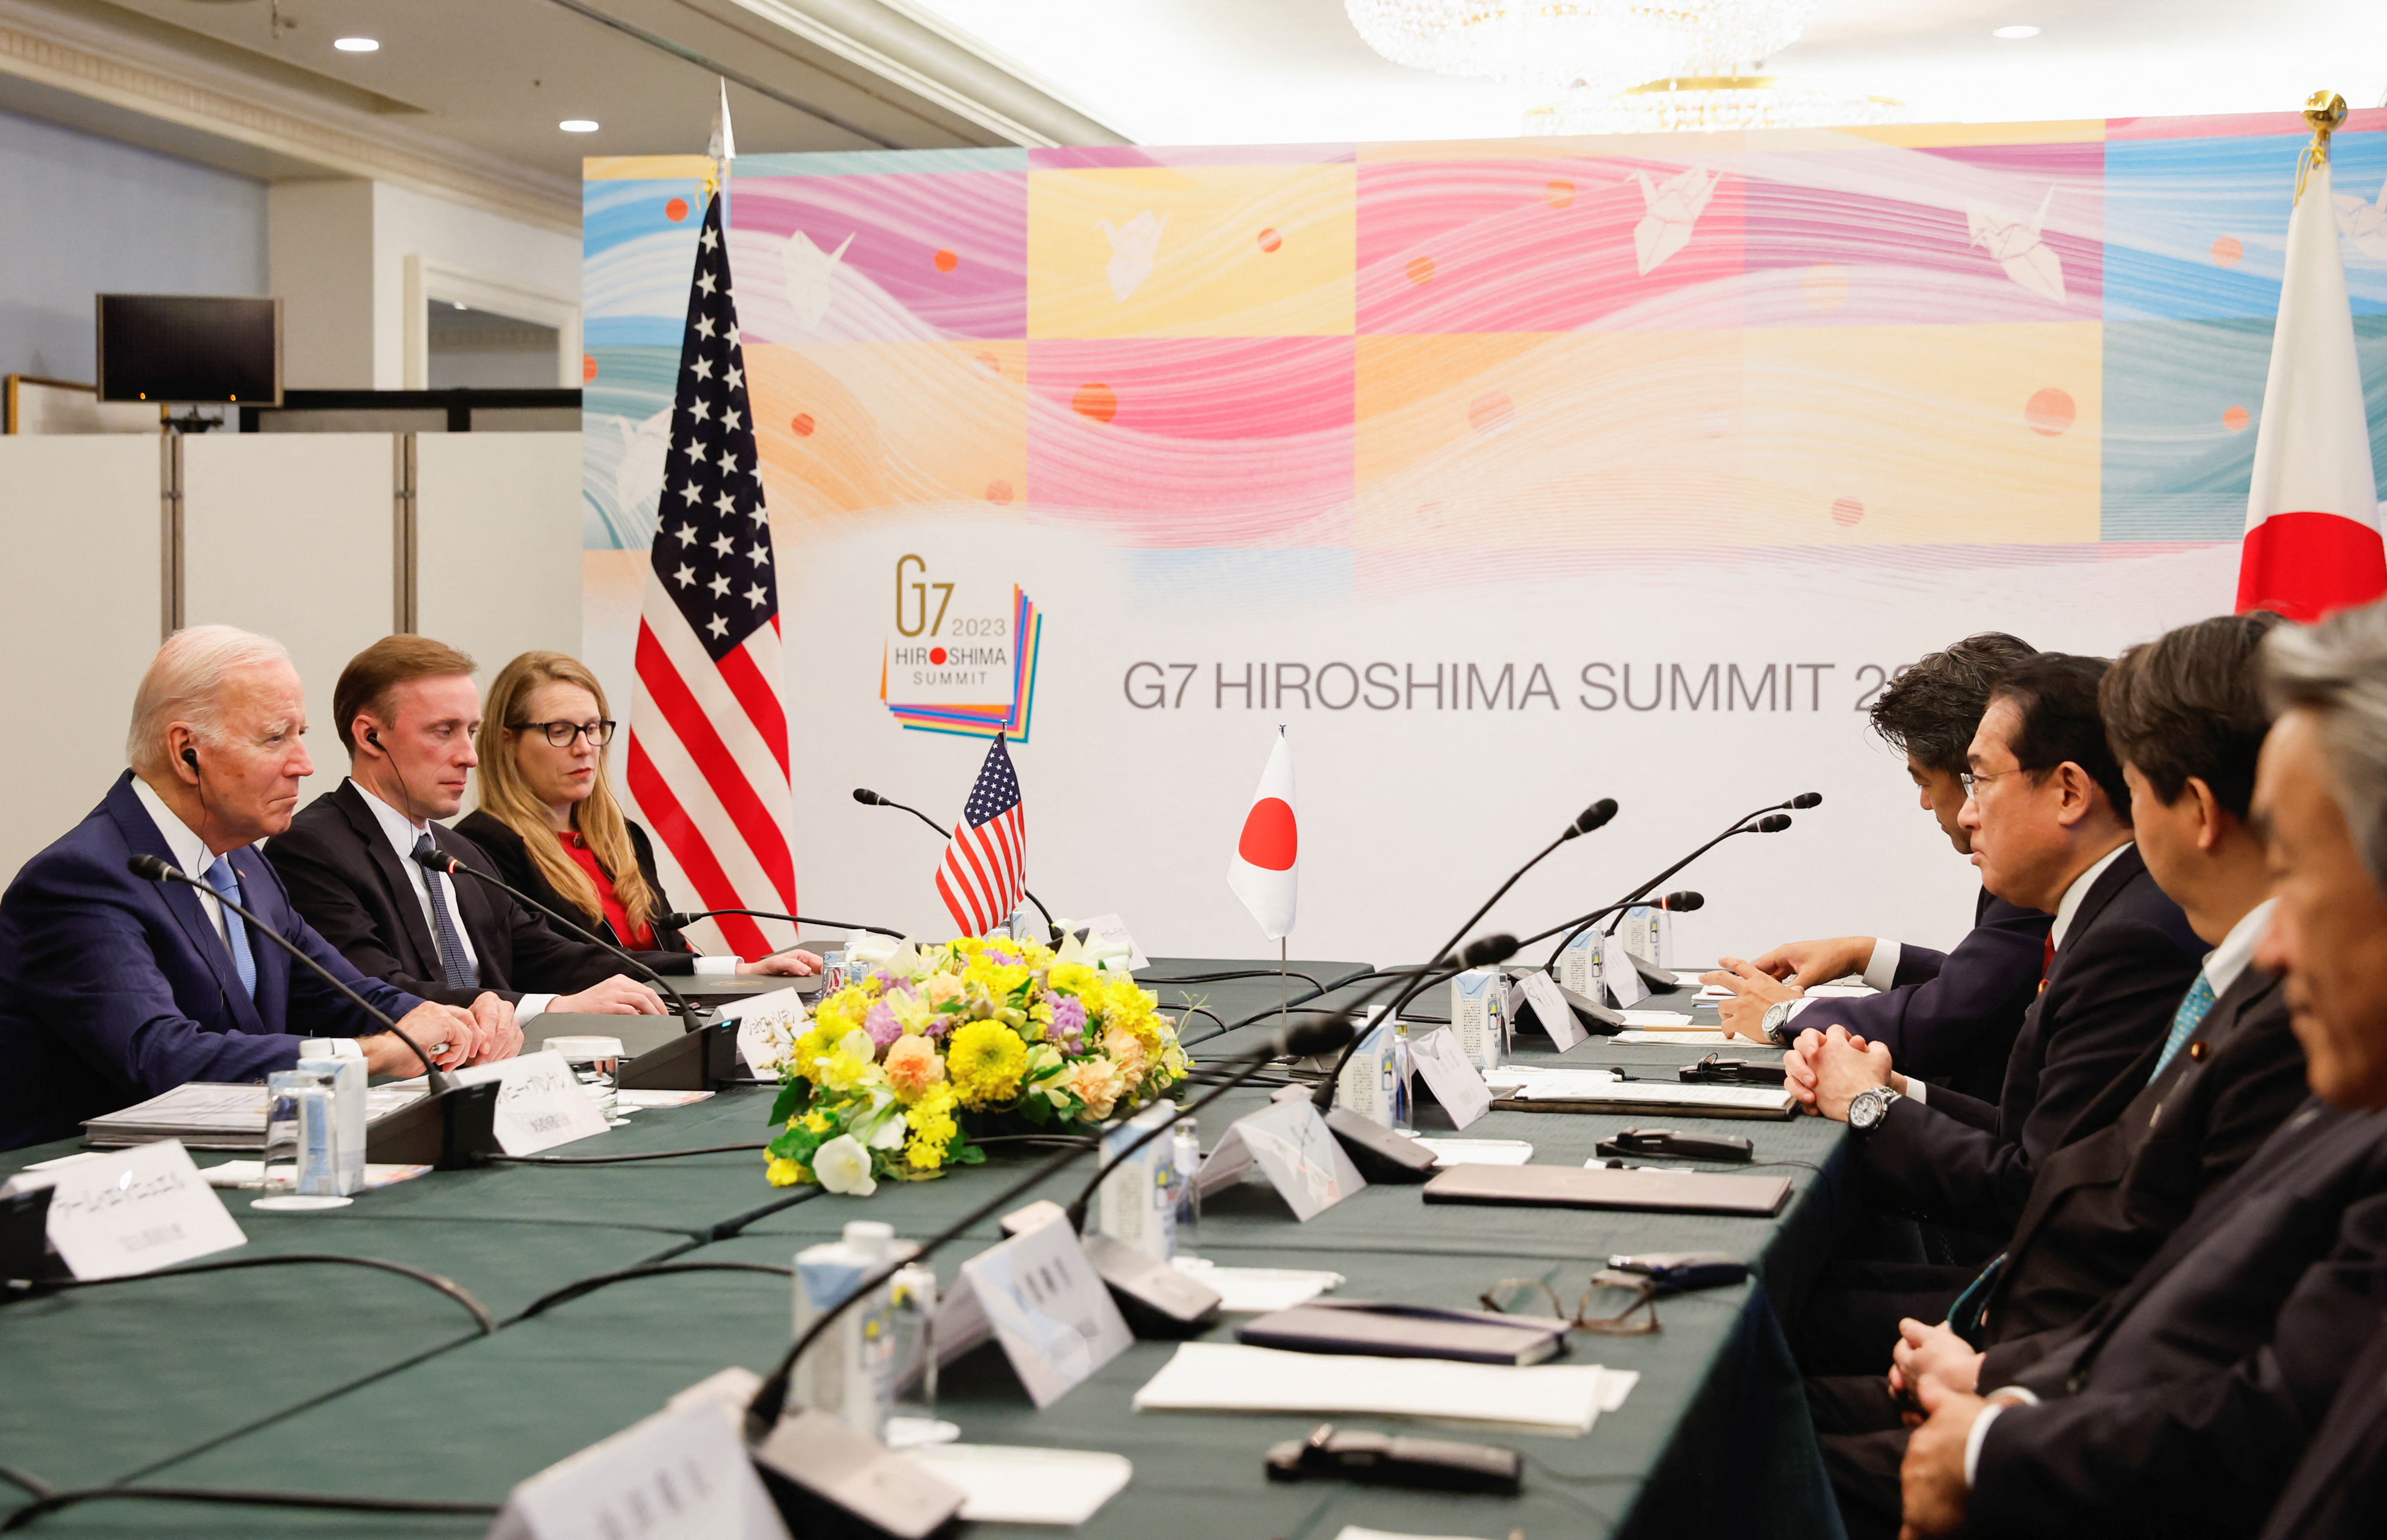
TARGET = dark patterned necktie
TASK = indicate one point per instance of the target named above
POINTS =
(452, 965)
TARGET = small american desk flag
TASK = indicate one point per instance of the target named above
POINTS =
(985, 871)
(708, 725)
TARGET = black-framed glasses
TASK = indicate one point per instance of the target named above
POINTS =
(561, 733)
(1974, 782)
(1524, 1296)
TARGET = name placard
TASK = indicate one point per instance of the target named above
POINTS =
(1623, 980)
(1452, 1075)
(680, 1474)
(134, 1211)
(1047, 1306)
(540, 1103)
(768, 1026)
(1293, 1148)
(1541, 993)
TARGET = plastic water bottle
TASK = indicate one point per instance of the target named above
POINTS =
(1396, 1077)
(1185, 1145)
(850, 1372)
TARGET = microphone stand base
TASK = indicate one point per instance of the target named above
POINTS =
(1662, 980)
(830, 1483)
(453, 1131)
(1157, 1300)
(1380, 1155)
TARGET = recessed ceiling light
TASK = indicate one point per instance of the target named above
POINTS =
(357, 44)
(578, 125)
(2015, 32)
(460, 304)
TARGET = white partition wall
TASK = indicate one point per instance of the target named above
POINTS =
(295, 536)
(79, 620)
(497, 543)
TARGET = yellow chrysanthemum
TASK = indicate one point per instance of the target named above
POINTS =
(984, 1061)
(1075, 977)
(816, 1121)
(933, 1129)
(787, 1173)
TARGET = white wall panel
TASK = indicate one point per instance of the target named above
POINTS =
(498, 544)
(79, 610)
(294, 536)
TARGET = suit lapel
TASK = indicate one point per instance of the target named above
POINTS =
(2127, 867)
(143, 837)
(425, 964)
(477, 905)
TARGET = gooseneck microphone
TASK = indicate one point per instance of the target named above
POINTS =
(1682, 900)
(771, 1399)
(1482, 953)
(868, 797)
(437, 860)
(680, 919)
(464, 1134)
(1764, 820)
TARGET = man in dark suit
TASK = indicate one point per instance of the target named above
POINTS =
(2050, 818)
(114, 988)
(1950, 1017)
(2181, 1404)
(406, 710)
(2186, 717)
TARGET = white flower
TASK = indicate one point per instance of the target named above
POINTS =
(843, 1166)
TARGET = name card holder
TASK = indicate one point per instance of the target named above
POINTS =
(1293, 1148)
(540, 1103)
(120, 1214)
(680, 1474)
(1451, 1076)
(1044, 1301)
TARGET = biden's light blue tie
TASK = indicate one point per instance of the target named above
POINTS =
(2185, 1021)
(227, 882)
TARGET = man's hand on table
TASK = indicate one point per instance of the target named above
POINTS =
(1826, 1069)
(1814, 963)
(447, 1034)
(501, 1035)
(1932, 1477)
(1753, 990)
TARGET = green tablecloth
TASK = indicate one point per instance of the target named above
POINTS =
(342, 1381)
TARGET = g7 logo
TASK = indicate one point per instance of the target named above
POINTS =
(919, 588)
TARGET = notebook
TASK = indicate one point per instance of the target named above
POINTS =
(1604, 1187)
(1590, 1092)
(1407, 1331)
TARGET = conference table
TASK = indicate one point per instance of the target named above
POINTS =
(330, 1378)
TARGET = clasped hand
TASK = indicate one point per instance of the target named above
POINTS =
(1825, 1070)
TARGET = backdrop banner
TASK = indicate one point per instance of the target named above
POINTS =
(1502, 476)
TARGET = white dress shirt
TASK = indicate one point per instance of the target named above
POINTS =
(2226, 962)
(2077, 894)
(190, 852)
(403, 833)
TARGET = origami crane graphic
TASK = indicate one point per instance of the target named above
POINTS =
(639, 473)
(1672, 206)
(2028, 260)
(809, 276)
(2364, 223)
(1133, 245)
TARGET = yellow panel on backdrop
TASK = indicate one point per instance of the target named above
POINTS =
(845, 427)
(1982, 434)
(1550, 440)
(1192, 251)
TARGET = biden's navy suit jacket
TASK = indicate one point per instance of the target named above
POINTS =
(114, 988)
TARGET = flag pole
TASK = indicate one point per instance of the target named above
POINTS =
(1283, 989)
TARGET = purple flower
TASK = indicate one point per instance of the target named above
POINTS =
(1069, 1028)
(881, 1025)
(1005, 958)
(889, 982)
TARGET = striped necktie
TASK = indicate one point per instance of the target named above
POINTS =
(2185, 1021)
(227, 882)
(459, 973)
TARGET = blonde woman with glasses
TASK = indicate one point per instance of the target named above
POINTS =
(552, 827)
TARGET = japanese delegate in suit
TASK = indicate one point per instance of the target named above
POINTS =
(2183, 1405)
(407, 708)
(1950, 1017)
(2186, 716)
(114, 988)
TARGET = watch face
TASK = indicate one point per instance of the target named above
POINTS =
(1865, 1110)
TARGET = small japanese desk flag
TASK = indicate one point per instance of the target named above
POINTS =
(1266, 864)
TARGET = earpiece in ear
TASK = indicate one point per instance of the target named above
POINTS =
(373, 737)
(191, 758)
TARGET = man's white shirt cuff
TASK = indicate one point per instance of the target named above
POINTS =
(714, 967)
(1881, 968)
(531, 1006)
(1974, 1440)
(1917, 1092)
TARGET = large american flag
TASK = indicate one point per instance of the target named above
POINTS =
(984, 874)
(708, 725)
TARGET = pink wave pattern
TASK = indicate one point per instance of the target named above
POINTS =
(949, 247)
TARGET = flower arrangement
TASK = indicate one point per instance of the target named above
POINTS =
(883, 1083)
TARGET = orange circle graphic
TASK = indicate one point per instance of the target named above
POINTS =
(946, 261)
(1847, 511)
(802, 424)
(1270, 240)
(2228, 250)
(2048, 412)
(998, 491)
(2236, 418)
(1421, 271)
(587, 368)
(1559, 194)
(676, 210)
(1096, 400)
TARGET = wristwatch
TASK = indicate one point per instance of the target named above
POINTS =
(1869, 1106)
(1775, 1023)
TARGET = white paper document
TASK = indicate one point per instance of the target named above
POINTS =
(1293, 1148)
(1456, 1082)
(1214, 1376)
(1646, 1020)
(651, 1101)
(1027, 1486)
(249, 1173)
(1256, 1291)
(1697, 1037)
(1479, 1152)
(1840, 991)
(1687, 1097)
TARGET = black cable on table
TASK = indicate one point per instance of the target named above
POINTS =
(1243, 973)
(27, 1479)
(624, 1159)
(446, 1286)
(54, 1501)
(1053, 1139)
(585, 1286)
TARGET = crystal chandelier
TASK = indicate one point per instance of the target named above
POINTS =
(1602, 45)
(1704, 105)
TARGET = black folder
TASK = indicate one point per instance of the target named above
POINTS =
(1407, 1331)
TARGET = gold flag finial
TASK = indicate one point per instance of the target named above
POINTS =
(2325, 111)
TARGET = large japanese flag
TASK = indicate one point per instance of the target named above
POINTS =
(2312, 523)
(1266, 864)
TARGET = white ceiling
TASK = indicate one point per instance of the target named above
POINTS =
(1260, 72)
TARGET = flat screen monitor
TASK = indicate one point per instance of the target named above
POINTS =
(190, 348)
